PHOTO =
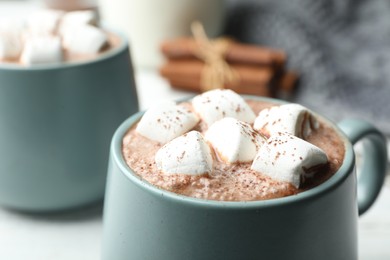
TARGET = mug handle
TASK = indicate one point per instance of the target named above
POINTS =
(374, 159)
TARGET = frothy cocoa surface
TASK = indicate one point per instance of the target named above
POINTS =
(228, 182)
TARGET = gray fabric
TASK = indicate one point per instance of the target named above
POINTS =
(340, 47)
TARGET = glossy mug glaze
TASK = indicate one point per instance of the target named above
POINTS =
(56, 123)
(144, 222)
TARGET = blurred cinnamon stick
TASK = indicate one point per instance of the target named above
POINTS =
(258, 70)
(263, 81)
(186, 48)
(192, 70)
(194, 86)
(288, 82)
(276, 90)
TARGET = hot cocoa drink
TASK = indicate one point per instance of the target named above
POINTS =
(54, 36)
(219, 146)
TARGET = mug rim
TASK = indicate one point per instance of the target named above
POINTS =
(124, 44)
(332, 183)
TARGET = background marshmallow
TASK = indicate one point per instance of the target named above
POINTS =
(84, 39)
(288, 158)
(44, 49)
(217, 104)
(76, 18)
(12, 25)
(11, 43)
(44, 22)
(234, 140)
(166, 121)
(186, 154)
(290, 118)
(10, 46)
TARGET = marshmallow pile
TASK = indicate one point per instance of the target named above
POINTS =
(273, 142)
(45, 35)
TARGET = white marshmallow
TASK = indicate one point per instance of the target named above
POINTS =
(44, 49)
(288, 158)
(71, 20)
(234, 140)
(164, 122)
(10, 46)
(76, 18)
(290, 118)
(217, 104)
(186, 154)
(84, 39)
(44, 22)
(15, 26)
(11, 43)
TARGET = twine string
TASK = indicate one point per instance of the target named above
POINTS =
(216, 72)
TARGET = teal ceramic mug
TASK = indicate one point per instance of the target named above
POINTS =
(56, 123)
(144, 222)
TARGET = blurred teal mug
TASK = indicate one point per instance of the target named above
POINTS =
(56, 123)
(144, 222)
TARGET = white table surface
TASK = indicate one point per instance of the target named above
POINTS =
(78, 235)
